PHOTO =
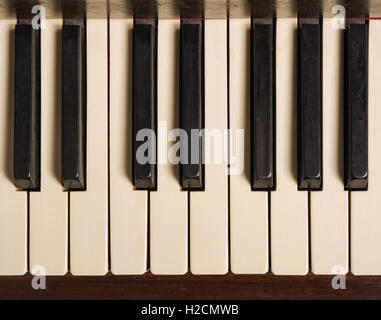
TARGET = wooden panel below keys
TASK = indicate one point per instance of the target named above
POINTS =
(329, 208)
(169, 204)
(365, 205)
(128, 207)
(49, 208)
(248, 209)
(209, 208)
(289, 207)
(13, 212)
(89, 209)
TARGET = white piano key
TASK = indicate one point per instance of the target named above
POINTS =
(365, 205)
(168, 205)
(13, 212)
(329, 208)
(289, 207)
(248, 209)
(128, 207)
(209, 208)
(89, 209)
(48, 240)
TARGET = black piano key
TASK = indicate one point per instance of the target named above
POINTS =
(26, 164)
(144, 105)
(262, 114)
(192, 103)
(310, 175)
(356, 107)
(73, 108)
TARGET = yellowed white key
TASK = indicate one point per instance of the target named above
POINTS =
(248, 209)
(365, 205)
(289, 207)
(329, 208)
(13, 212)
(48, 240)
(89, 209)
(209, 208)
(168, 205)
(128, 207)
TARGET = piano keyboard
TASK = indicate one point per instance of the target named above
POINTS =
(75, 95)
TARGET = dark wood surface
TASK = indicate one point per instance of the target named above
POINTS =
(190, 8)
(227, 287)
